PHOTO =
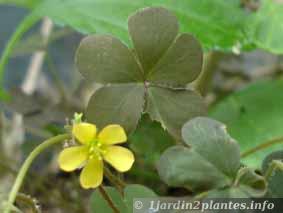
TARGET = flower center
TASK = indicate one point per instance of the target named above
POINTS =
(95, 149)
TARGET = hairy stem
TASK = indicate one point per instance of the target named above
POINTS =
(29, 201)
(262, 146)
(118, 183)
(108, 199)
(26, 165)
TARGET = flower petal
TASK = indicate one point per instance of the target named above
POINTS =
(119, 157)
(92, 174)
(72, 158)
(84, 132)
(112, 134)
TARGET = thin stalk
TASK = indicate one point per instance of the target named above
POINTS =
(108, 199)
(201, 195)
(26, 165)
(262, 146)
(118, 183)
(275, 164)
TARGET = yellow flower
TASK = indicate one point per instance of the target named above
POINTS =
(93, 150)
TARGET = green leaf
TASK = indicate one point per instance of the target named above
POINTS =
(229, 27)
(136, 191)
(152, 27)
(99, 204)
(172, 108)
(223, 29)
(22, 3)
(117, 104)
(210, 139)
(149, 140)
(123, 204)
(105, 59)
(275, 189)
(266, 26)
(212, 161)
(4, 96)
(180, 166)
(253, 116)
(184, 57)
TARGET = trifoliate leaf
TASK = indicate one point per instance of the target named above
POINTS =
(212, 161)
(211, 140)
(156, 73)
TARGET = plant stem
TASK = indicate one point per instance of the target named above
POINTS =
(203, 82)
(262, 146)
(108, 199)
(275, 164)
(26, 165)
(201, 195)
(118, 183)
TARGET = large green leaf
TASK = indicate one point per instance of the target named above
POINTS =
(218, 24)
(21, 3)
(211, 162)
(253, 116)
(221, 29)
(266, 27)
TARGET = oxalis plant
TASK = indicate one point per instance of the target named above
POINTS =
(152, 77)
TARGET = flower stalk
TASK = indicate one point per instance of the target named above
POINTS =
(108, 199)
(23, 171)
(262, 146)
